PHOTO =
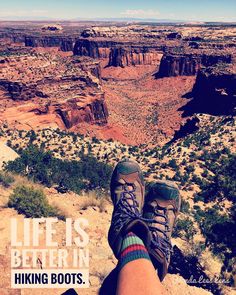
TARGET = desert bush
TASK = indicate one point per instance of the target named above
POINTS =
(189, 169)
(95, 140)
(185, 206)
(9, 143)
(177, 176)
(42, 167)
(196, 250)
(184, 178)
(184, 229)
(197, 197)
(93, 200)
(173, 164)
(31, 202)
(31, 135)
(196, 179)
(6, 179)
(223, 184)
(216, 226)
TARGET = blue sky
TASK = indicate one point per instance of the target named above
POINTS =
(196, 10)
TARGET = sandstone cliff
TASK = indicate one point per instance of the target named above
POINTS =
(84, 47)
(95, 48)
(119, 54)
(188, 64)
(71, 113)
(64, 43)
(122, 57)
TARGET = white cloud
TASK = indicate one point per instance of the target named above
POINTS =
(140, 13)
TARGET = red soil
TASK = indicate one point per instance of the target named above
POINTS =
(142, 108)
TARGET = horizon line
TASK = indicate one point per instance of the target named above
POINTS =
(107, 19)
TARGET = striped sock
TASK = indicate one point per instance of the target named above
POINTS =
(132, 249)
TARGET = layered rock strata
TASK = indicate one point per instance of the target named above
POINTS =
(188, 64)
(64, 43)
(65, 90)
(119, 54)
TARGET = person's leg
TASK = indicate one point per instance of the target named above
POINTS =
(136, 272)
(139, 278)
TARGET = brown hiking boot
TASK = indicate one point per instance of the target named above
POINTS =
(127, 193)
(161, 208)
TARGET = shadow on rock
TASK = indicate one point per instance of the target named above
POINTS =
(190, 269)
(189, 127)
(213, 93)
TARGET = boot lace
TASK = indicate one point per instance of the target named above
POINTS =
(160, 238)
(127, 206)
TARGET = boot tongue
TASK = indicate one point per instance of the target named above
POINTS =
(165, 191)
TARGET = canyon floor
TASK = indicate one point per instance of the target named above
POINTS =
(143, 108)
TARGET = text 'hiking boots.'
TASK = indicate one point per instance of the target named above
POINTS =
(161, 208)
(127, 193)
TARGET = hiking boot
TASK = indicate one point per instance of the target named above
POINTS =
(127, 194)
(161, 208)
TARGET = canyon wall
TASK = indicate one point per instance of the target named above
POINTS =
(93, 48)
(72, 112)
(94, 112)
(119, 54)
(122, 57)
(62, 42)
(86, 48)
(188, 64)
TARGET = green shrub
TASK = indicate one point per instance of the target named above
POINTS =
(222, 185)
(189, 169)
(177, 176)
(42, 167)
(197, 197)
(184, 229)
(31, 202)
(185, 206)
(173, 164)
(95, 140)
(6, 179)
